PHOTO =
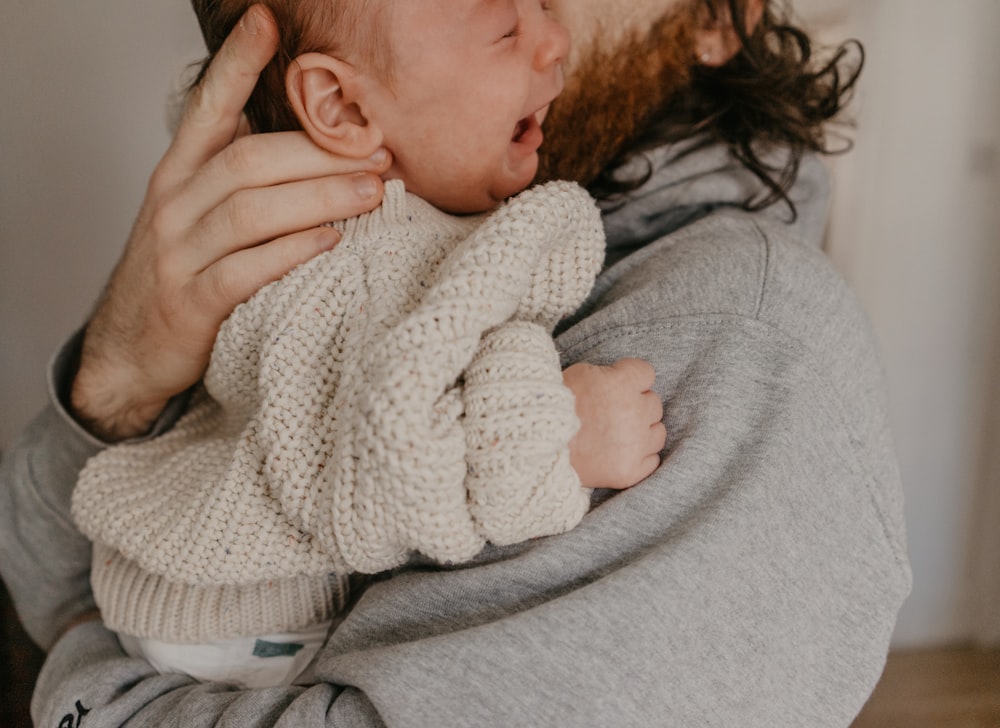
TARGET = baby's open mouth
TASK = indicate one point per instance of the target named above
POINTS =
(522, 126)
(527, 132)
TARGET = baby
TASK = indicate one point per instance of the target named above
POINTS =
(398, 397)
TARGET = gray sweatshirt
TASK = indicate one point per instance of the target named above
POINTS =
(753, 580)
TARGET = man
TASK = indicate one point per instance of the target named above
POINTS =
(753, 580)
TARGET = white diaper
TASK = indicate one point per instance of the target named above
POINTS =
(250, 662)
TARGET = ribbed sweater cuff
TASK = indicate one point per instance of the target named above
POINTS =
(519, 419)
(141, 604)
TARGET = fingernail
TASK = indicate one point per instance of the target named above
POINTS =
(379, 156)
(249, 21)
(364, 186)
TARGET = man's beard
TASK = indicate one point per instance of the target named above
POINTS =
(612, 98)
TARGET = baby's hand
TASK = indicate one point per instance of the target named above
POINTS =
(621, 429)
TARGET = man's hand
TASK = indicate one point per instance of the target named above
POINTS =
(621, 430)
(224, 214)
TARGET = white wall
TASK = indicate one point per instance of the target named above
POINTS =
(914, 229)
(82, 123)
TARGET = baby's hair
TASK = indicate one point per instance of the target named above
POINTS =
(350, 29)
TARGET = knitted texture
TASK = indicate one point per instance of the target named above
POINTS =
(136, 602)
(399, 393)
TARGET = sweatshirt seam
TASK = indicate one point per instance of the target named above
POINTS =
(766, 269)
(626, 331)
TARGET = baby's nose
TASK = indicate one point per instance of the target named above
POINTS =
(553, 45)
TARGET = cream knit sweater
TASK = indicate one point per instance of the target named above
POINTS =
(399, 393)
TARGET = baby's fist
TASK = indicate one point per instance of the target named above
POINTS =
(621, 429)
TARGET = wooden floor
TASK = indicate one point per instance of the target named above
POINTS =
(936, 689)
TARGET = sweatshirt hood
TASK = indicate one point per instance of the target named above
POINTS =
(690, 179)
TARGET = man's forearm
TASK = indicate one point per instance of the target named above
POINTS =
(100, 400)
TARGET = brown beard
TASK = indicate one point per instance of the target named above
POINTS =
(613, 96)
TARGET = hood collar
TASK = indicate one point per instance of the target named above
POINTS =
(690, 179)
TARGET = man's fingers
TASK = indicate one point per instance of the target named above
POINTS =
(267, 160)
(243, 128)
(214, 110)
(237, 277)
(232, 75)
(251, 216)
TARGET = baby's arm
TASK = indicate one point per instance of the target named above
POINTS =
(519, 418)
(621, 430)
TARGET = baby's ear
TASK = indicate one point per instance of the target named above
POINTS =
(315, 84)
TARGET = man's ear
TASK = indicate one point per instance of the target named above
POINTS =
(717, 41)
(323, 93)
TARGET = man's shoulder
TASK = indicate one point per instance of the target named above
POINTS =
(734, 290)
(729, 266)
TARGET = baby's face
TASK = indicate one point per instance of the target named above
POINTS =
(473, 80)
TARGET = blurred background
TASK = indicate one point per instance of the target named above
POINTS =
(915, 228)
